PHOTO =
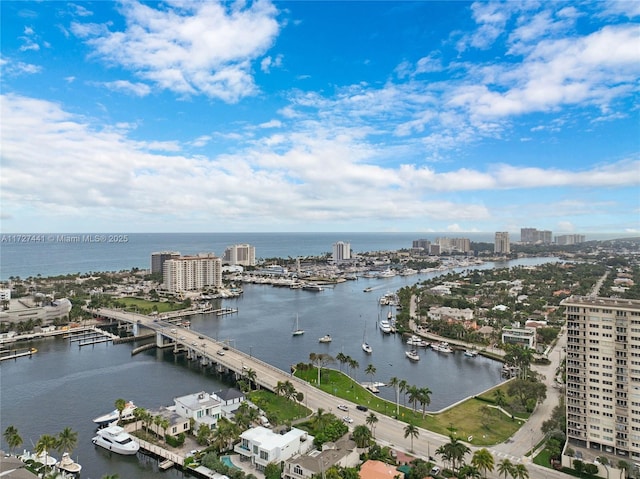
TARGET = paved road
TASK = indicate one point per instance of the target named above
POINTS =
(388, 430)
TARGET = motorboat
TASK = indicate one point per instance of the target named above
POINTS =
(116, 439)
(385, 326)
(471, 353)
(367, 290)
(442, 347)
(42, 458)
(413, 355)
(67, 464)
(367, 348)
(325, 339)
(417, 341)
(113, 416)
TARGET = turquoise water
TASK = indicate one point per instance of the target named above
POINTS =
(227, 461)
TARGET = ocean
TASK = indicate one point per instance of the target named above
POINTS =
(52, 254)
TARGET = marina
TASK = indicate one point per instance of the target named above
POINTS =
(260, 329)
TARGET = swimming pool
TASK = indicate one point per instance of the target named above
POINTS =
(226, 460)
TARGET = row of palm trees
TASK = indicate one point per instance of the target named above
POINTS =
(416, 395)
(65, 441)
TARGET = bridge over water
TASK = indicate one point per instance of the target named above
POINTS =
(201, 347)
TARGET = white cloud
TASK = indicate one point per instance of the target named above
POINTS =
(190, 48)
(136, 89)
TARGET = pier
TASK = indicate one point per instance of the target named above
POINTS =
(16, 353)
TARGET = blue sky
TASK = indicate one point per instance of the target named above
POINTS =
(320, 116)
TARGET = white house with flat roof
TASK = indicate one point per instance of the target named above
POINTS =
(262, 446)
(521, 336)
(203, 408)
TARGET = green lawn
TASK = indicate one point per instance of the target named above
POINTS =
(146, 307)
(277, 408)
(488, 426)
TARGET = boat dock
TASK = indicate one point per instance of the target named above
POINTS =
(168, 458)
(90, 336)
(16, 353)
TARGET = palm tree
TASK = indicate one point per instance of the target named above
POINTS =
(411, 430)
(120, 405)
(280, 388)
(520, 472)
(469, 471)
(361, 435)
(342, 359)
(67, 440)
(371, 421)
(353, 365)
(321, 419)
(402, 387)
(12, 438)
(45, 444)
(251, 376)
(483, 460)
(370, 371)
(414, 396)
(395, 383)
(453, 451)
(623, 466)
(424, 397)
(505, 467)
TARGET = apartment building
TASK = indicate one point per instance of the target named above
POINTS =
(535, 236)
(191, 273)
(603, 375)
(341, 252)
(569, 239)
(454, 245)
(158, 259)
(240, 254)
(502, 243)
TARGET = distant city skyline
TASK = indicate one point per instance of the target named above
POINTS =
(371, 116)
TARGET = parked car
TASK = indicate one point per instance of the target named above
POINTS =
(435, 471)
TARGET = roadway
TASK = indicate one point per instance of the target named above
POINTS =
(388, 431)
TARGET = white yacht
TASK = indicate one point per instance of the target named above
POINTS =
(442, 347)
(385, 326)
(325, 339)
(116, 439)
(68, 465)
(111, 417)
(413, 355)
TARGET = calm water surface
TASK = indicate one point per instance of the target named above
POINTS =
(67, 386)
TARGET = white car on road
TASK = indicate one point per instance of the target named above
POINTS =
(347, 419)
(343, 407)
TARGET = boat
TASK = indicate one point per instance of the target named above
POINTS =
(413, 355)
(43, 458)
(297, 331)
(365, 345)
(442, 347)
(116, 439)
(112, 417)
(367, 290)
(417, 341)
(385, 326)
(325, 339)
(470, 353)
(313, 287)
(67, 464)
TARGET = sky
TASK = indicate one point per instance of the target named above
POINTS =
(371, 116)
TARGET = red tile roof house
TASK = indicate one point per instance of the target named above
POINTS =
(379, 470)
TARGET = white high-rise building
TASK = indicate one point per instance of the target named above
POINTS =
(502, 244)
(603, 375)
(341, 251)
(242, 254)
(189, 273)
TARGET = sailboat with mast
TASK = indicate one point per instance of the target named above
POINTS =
(366, 347)
(297, 331)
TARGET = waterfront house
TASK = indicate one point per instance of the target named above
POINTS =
(342, 453)
(379, 470)
(200, 407)
(177, 423)
(262, 446)
(230, 400)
